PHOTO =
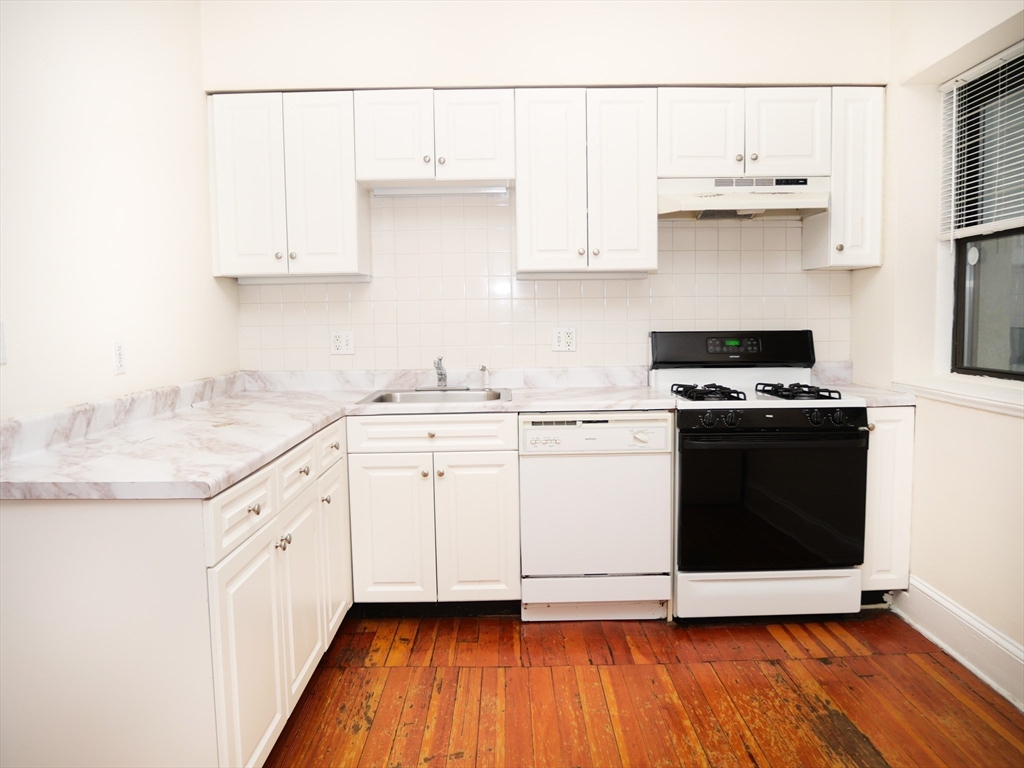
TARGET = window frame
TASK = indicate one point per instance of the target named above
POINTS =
(960, 308)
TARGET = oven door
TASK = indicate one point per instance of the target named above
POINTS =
(771, 502)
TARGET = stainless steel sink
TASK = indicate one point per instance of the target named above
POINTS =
(437, 396)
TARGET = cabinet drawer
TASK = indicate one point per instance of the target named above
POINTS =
(444, 432)
(330, 444)
(239, 511)
(298, 469)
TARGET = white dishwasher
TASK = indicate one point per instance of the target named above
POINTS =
(595, 493)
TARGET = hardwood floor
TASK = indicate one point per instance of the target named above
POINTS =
(864, 691)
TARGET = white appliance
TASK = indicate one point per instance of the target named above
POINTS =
(744, 198)
(762, 445)
(596, 515)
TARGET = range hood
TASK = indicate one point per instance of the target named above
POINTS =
(743, 198)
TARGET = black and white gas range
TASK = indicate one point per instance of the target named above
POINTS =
(772, 476)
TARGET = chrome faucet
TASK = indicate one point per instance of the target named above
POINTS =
(442, 374)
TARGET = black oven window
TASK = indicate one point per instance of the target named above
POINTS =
(989, 307)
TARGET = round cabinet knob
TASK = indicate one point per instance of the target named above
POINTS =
(283, 543)
(871, 427)
(292, 256)
(814, 417)
(597, 251)
(424, 473)
(739, 158)
(326, 499)
(582, 251)
(839, 247)
(754, 156)
(426, 158)
(254, 508)
(440, 160)
(838, 417)
(431, 435)
(708, 419)
(304, 471)
(731, 420)
(440, 473)
(336, 446)
(278, 255)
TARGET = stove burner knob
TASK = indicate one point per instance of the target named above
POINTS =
(708, 419)
(838, 417)
(815, 417)
(731, 420)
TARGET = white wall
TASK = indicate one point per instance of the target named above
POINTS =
(104, 222)
(282, 44)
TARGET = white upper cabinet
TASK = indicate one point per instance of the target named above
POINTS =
(788, 131)
(849, 234)
(285, 197)
(712, 132)
(586, 179)
(417, 134)
(700, 132)
(250, 231)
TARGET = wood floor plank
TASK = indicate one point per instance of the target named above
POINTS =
(897, 747)
(827, 640)
(381, 737)
(518, 720)
(401, 646)
(313, 707)
(639, 648)
(509, 643)
(654, 683)
(657, 633)
(628, 735)
(615, 637)
(409, 734)
(343, 743)
(887, 633)
(467, 642)
(650, 717)
(704, 642)
(813, 648)
(682, 644)
(743, 645)
(423, 646)
(604, 750)
(572, 728)
(780, 735)
(533, 644)
(552, 645)
(445, 640)
(490, 752)
(465, 719)
(575, 644)
(837, 629)
(487, 650)
(381, 645)
(793, 649)
(957, 721)
(958, 674)
(351, 651)
(597, 644)
(547, 743)
(770, 647)
(837, 738)
(724, 746)
(438, 727)
(726, 711)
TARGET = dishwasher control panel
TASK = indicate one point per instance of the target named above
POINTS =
(595, 433)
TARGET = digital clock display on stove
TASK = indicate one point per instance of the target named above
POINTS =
(733, 346)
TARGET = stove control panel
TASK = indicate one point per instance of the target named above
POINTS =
(770, 419)
(733, 345)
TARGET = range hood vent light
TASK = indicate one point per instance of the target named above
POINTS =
(743, 198)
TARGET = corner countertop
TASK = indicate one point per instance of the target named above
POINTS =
(197, 451)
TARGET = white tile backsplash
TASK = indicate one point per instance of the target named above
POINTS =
(444, 285)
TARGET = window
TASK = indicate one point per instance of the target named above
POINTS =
(983, 214)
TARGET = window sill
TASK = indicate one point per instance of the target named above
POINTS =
(981, 392)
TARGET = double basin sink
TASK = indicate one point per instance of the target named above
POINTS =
(437, 395)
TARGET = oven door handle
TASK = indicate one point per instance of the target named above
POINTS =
(739, 444)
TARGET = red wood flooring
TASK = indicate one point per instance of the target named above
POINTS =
(865, 691)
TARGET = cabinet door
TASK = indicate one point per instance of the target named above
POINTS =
(249, 677)
(890, 475)
(622, 178)
(477, 513)
(700, 132)
(392, 509)
(474, 134)
(789, 131)
(856, 211)
(332, 490)
(249, 228)
(551, 179)
(299, 550)
(394, 134)
(320, 182)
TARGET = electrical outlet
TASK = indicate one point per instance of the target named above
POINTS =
(118, 358)
(563, 339)
(341, 343)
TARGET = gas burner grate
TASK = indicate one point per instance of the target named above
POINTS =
(799, 392)
(707, 392)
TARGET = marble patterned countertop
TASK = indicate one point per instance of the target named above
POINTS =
(196, 440)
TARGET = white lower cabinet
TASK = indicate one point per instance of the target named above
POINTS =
(332, 491)
(890, 477)
(434, 524)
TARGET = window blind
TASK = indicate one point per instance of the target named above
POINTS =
(982, 187)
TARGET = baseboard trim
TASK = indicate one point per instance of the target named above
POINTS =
(983, 649)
